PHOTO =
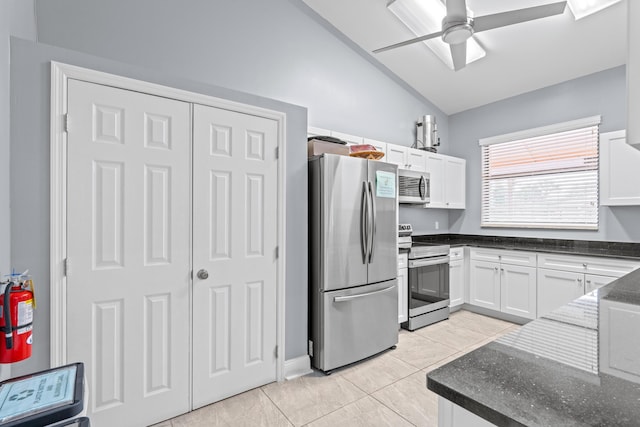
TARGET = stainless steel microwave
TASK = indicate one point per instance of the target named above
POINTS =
(413, 186)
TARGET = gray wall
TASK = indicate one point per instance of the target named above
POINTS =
(602, 93)
(30, 141)
(278, 49)
(5, 260)
(16, 18)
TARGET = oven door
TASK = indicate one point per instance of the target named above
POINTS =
(428, 285)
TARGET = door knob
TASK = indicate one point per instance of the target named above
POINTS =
(202, 274)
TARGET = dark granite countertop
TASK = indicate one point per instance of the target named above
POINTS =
(572, 247)
(551, 372)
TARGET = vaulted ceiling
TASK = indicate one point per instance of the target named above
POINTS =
(520, 58)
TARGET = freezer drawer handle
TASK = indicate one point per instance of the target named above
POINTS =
(366, 294)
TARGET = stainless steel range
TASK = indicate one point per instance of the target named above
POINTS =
(428, 283)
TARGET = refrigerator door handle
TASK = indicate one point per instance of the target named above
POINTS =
(373, 222)
(364, 236)
(366, 294)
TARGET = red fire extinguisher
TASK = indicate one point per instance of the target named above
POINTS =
(16, 321)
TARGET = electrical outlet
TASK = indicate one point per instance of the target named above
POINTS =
(437, 225)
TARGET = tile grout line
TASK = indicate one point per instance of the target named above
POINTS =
(277, 407)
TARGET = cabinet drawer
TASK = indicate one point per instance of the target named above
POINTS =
(403, 260)
(504, 257)
(591, 265)
(456, 254)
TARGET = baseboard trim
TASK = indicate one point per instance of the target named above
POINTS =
(294, 368)
(497, 314)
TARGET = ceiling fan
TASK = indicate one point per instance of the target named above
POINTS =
(458, 27)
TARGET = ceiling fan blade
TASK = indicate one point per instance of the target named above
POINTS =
(488, 22)
(459, 55)
(456, 9)
(407, 42)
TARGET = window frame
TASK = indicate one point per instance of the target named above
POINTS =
(545, 131)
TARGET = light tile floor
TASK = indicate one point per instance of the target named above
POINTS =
(386, 390)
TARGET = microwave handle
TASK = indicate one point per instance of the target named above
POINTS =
(422, 187)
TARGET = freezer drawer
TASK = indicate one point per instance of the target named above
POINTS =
(355, 323)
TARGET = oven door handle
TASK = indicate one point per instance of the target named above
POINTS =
(366, 294)
(414, 263)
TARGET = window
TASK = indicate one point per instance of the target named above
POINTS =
(542, 178)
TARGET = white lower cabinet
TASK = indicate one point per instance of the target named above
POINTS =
(484, 284)
(503, 281)
(556, 288)
(456, 283)
(518, 290)
(563, 278)
(457, 276)
(403, 288)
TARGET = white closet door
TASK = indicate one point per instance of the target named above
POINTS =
(234, 239)
(128, 234)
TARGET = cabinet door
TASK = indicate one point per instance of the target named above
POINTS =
(397, 154)
(593, 282)
(484, 284)
(619, 171)
(518, 290)
(403, 296)
(456, 283)
(435, 166)
(454, 183)
(556, 288)
(416, 160)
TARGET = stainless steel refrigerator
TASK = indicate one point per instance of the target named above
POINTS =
(353, 292)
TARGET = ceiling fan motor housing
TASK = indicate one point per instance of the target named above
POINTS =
(456, 32)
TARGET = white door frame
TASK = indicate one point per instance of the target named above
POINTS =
(60, 74)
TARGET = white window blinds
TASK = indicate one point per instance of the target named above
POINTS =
(549, 180)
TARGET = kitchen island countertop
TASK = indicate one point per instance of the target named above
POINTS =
(577, 366)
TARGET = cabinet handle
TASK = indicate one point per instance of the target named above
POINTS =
(589, 281)
(502, 269)
(495, 268)
(579, 280)
(584, 265)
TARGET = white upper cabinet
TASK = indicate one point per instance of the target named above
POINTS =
(619, 171)
(397, 154)
(416, 160)
(435, 166)
(447, 181)
(406, 157)
(454, 182)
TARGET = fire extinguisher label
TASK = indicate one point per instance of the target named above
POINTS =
(25, 316)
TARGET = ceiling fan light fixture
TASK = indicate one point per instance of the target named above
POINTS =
(582, 8)
(425, 17)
